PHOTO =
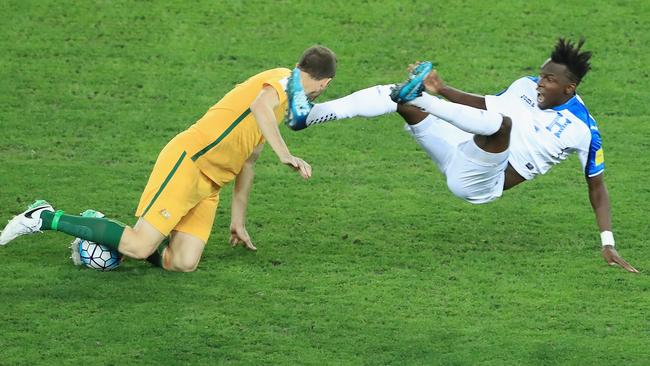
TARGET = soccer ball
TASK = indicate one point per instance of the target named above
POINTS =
(97, 256)
(93, 255)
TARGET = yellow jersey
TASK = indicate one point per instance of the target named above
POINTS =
(220, 142)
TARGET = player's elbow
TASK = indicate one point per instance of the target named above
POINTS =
(506, 126)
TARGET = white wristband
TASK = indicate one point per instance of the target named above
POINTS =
(607, 238)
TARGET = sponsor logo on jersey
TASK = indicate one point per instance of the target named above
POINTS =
(527, 100)
(600, 157)
(165, 213)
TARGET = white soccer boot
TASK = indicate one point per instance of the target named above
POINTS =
(74, 246)
(28, 222)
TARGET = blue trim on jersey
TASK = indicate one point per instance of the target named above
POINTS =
(593, 168)
(534, 78)
(570, 104)
(579, 110)
(501, 92)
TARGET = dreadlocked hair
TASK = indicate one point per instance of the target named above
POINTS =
(569, 55)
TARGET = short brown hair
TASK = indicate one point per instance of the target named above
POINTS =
(319, 62)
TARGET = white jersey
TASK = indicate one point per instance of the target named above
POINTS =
(541, 138)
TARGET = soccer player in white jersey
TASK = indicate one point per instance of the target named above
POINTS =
(487, 144)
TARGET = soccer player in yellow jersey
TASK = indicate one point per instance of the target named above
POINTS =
(180, 200)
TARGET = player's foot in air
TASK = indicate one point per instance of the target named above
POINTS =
(28, 222)
(413, 86)
(74, 246)
(299, 104)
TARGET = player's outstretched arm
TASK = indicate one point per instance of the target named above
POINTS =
(599, 198)
(434, 85)
(240, 193)
(262, 108)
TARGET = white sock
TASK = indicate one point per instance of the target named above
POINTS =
(469, 119)
(370, 102)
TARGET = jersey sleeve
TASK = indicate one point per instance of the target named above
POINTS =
(280, 86)
(502, 101)
(593, 158)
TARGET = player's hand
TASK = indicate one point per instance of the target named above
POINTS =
(239, 235)
(612, 258)
(433, 83)
(298, 165)
(413, 66)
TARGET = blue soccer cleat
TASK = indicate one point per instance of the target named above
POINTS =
(299, 104)
(413, 86)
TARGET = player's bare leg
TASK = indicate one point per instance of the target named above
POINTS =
(183, 253)
(498, 141)
(410, 114)
(140, 241)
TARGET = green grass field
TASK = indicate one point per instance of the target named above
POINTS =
(373, 261)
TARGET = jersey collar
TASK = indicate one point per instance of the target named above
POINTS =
(567, 104)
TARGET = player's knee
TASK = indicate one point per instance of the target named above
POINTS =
(506, 126)
(182, 263)
(182, 267)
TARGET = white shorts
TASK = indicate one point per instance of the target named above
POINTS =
(473, 174)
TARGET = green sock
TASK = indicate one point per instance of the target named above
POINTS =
(47, 217)
(99, 230)
(156, 258)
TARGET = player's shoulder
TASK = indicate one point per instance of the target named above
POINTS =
(276, 78)
(576, 109)
(526, 81)
(268, 76)
(274, 74)
(523, 84)
(273, 83)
